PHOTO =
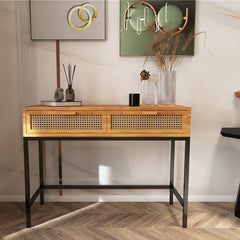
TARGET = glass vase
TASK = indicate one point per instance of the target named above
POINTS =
(167, 87)
(148, 92)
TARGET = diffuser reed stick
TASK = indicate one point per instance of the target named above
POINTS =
(69, 74)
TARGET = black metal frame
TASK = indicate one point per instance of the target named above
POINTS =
(40, 191)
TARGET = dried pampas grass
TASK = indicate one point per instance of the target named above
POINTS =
(165, 46)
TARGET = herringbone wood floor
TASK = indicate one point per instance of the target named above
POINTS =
(125, 221)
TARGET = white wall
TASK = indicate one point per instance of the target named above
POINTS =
(205, 82)
(11, 175)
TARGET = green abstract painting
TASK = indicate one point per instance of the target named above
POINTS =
(137, 16)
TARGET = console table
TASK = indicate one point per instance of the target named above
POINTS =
(106, 122)
(233, 133)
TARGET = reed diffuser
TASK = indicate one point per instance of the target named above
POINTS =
(70, 96)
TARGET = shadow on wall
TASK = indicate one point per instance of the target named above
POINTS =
(115, 163)
(225, 166)
(27, 65)
(226, 159)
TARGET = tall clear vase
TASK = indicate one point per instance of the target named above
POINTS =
(148, 97)
(167, 87)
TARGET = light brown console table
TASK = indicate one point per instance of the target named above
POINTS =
(106, 122)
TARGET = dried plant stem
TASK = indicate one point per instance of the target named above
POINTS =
(175, 47)
(191, 36)
(173, 63)
(165, 46)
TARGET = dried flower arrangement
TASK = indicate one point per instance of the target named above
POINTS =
(165, 46)
(145, 75)
(237, 94)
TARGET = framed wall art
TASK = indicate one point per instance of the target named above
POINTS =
(137, 16)
(67, 20)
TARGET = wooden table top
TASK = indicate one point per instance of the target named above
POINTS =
(167, 107)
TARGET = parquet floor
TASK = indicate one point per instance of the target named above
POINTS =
(125, 221)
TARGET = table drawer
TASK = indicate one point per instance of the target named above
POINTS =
(65, 122)
(151, 122)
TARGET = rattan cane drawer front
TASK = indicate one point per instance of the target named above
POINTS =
(65, 122)
(148, 122)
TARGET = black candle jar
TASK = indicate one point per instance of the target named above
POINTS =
(134, 99)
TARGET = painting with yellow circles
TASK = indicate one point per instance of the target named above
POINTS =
(67, 20)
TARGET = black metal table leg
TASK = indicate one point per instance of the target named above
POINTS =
(60, 166)
(41, 182)
(27, 183)
(172, 172)
(186, 182)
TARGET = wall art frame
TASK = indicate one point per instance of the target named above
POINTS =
(135, 16)
(67, 20)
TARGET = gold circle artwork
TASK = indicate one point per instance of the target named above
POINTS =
(88, 21)
(87, 5)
